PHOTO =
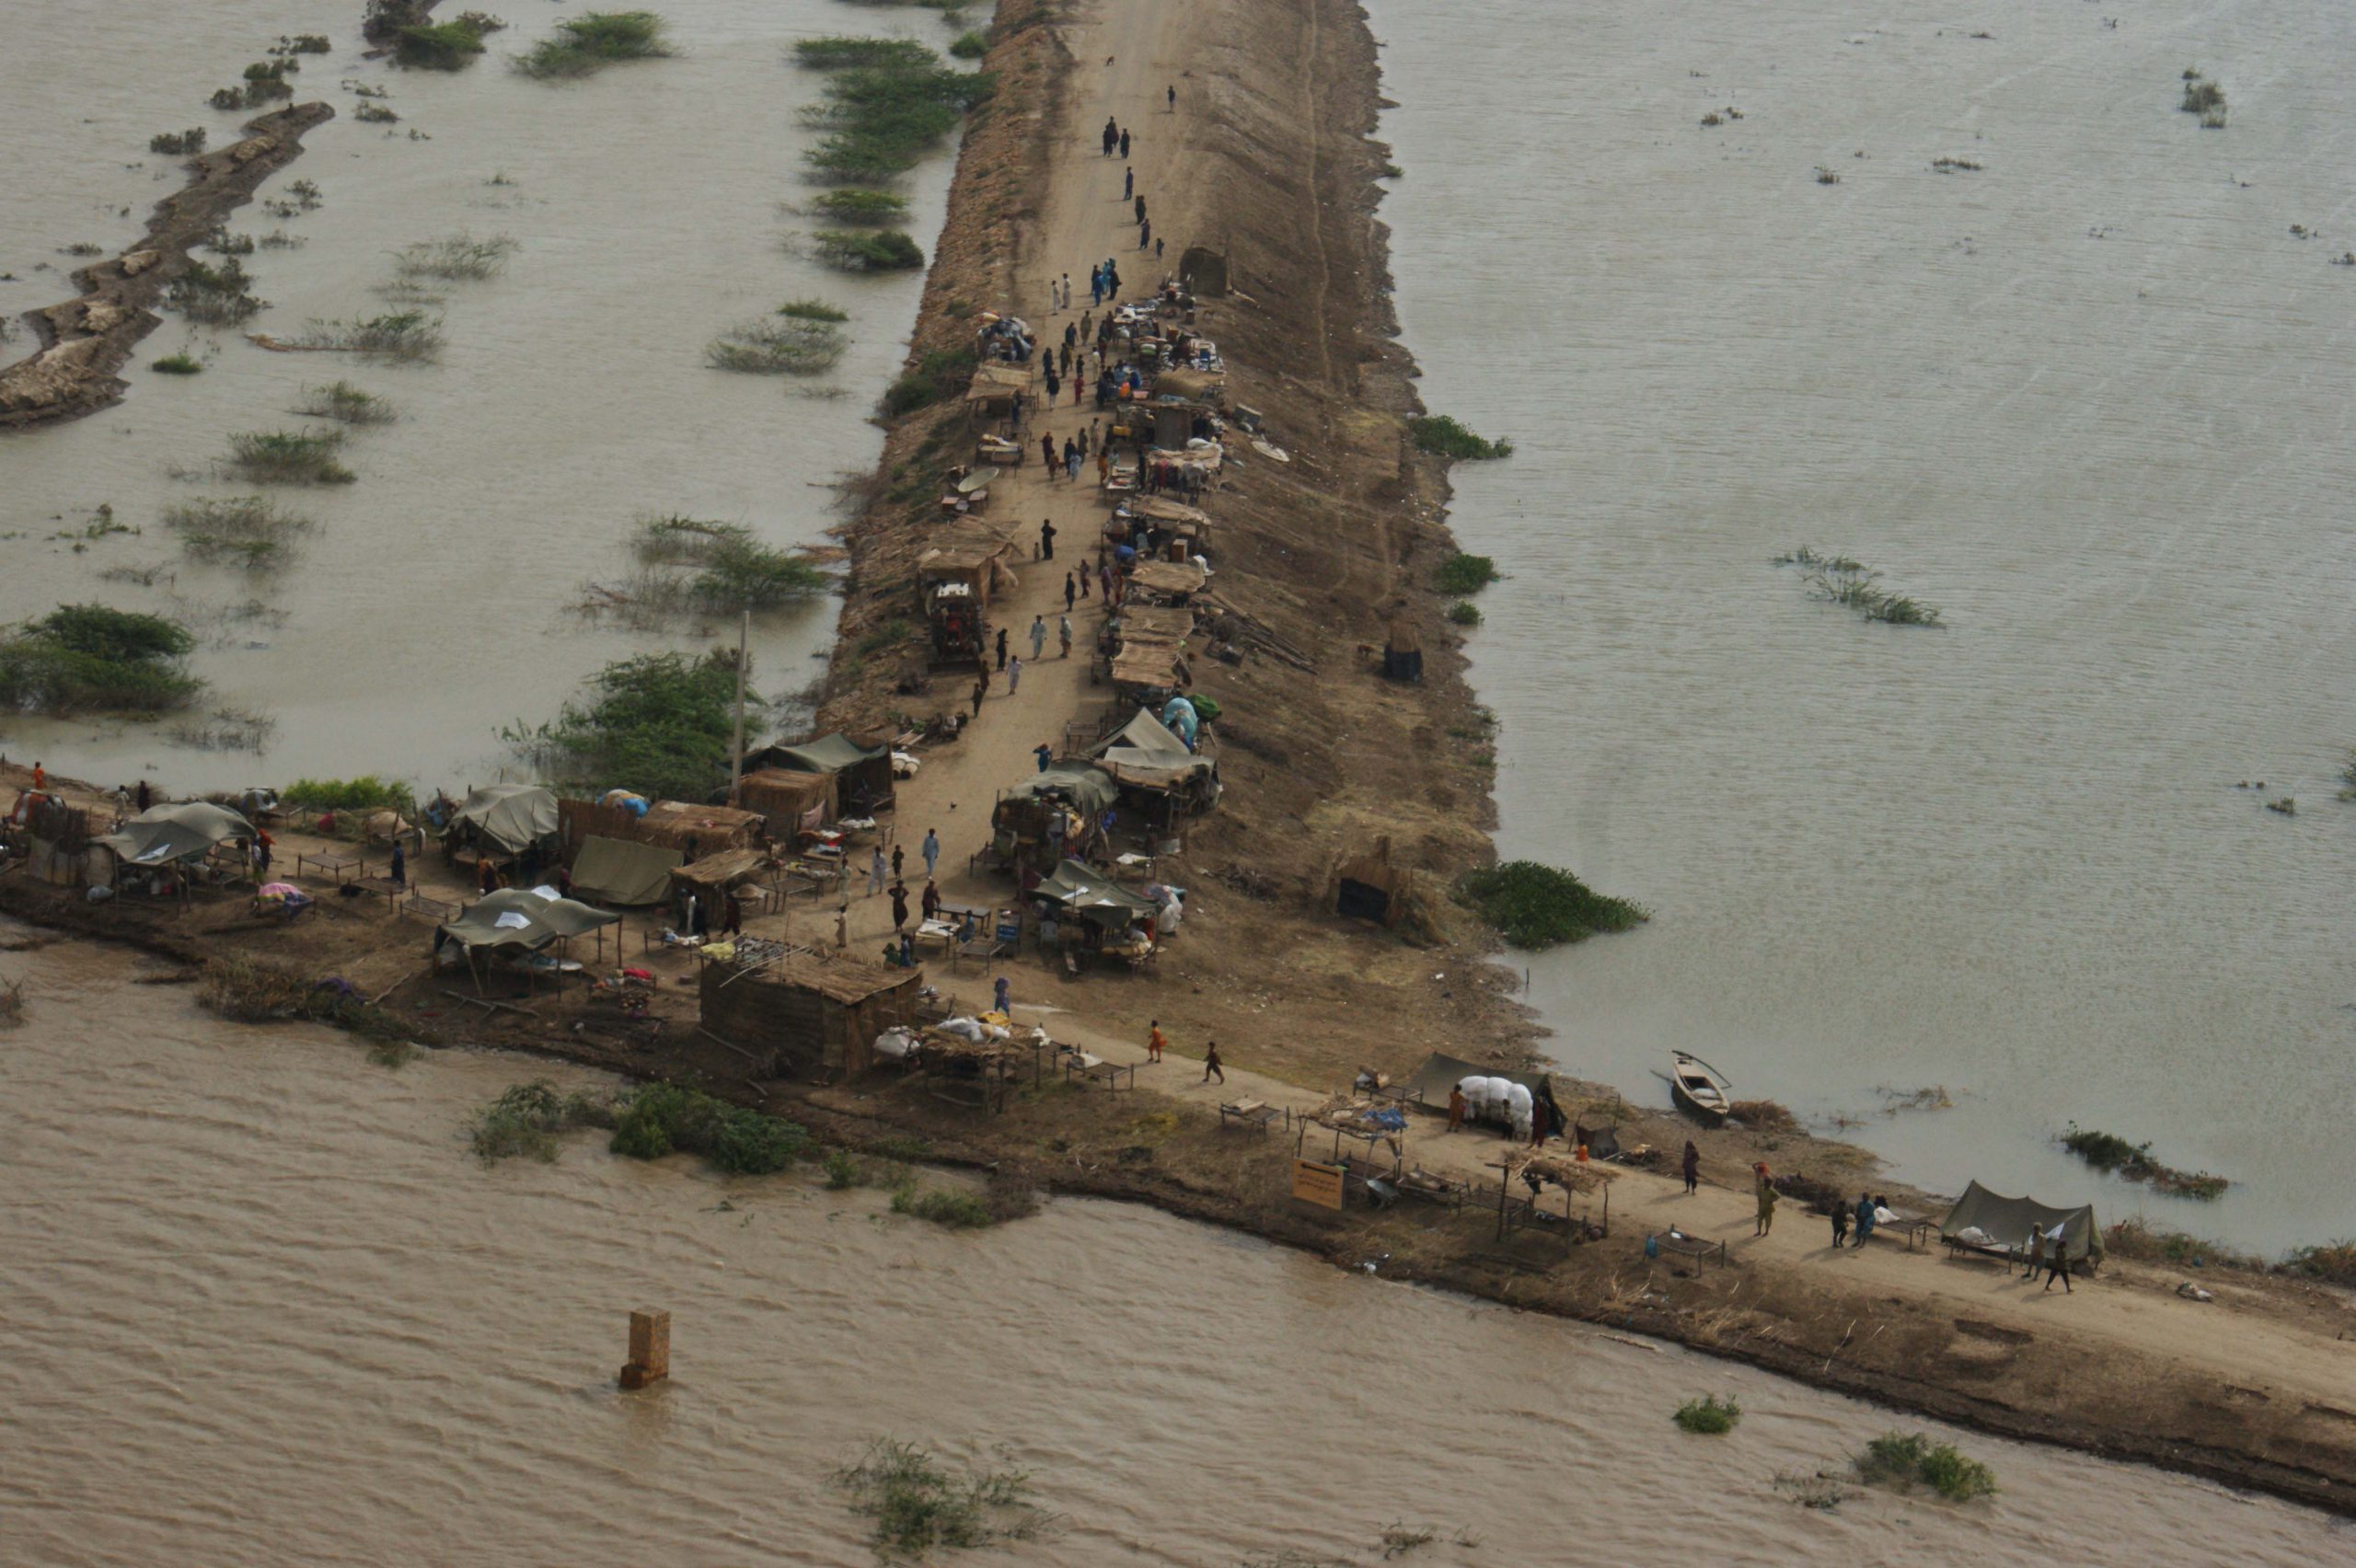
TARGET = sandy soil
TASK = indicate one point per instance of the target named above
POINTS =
(1266, 159)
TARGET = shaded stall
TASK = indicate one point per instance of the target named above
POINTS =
(710, 881)
(979, 1074)
(863, 774)
(516, 926)
(1167, 581)
(162, 845)
(1092, 914)
(1051, 815)
(1179, 532)
(811, 1015)
(1536, 1169)
(1365, 1123)
(618, 870)
(1155, 771)
(674, 824)
(955, 581)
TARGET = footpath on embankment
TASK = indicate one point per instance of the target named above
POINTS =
(1266, 159)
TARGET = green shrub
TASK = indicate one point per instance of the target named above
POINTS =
(857, 204)
(793, 346)
(883, 116)
(84, 657)
(958, 1211)
(812, 310)
(1539, 906)
(365, 793)
(870, 251)
(1439, 433)
(182, 144)
(661, 1117)
(2104, 1151)
(1894, 1460)
(593, 40)
(525, 1119)
(2334, 1262)
(660, 724)
(289, 457)
(438, 46)
(1708, 1414)
(403, 336)
(840, 52)
(842, 1169)
(177, 365)
(1461, 573)
(940, 376)
(970, 46)
(1464, 614)
(218, 296)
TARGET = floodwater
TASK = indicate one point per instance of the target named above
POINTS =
(2092, 400)
(432, 604)
(265, 1308)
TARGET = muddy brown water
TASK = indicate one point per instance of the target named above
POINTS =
(265, 1306)
(2090, 400)
(430, 606)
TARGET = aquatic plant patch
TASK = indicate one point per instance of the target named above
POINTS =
(1708, 1415)
(1536, 906)
(790, 345)
(916, 1502)
(593, 40)
(87, 658)
(289, 457)
(2133, 1162)
(1446, 437)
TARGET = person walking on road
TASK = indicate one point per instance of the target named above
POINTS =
(1002, 997)
(1765, 1188)
(1840, 1225)
(1002, 648)
(1039, 637)
(1062, 632)
(1014, 674)
(1124, 146)
(1128, 184)
(1112, 134)
(875, 871)
(1144, 234)
(1692, 1168)
(899, 905)
(1071, 451)
(1154, 1043)
(1047, 535)
(1140, 209)
(1067, 592)
(2057, 1263)
(1045, 753)
(1864, 1220)
(1174, 98)
(981, 690)
(1212, 1066)
(931, 850)
(1047, 453)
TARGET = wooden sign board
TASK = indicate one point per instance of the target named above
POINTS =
(1314, 1182)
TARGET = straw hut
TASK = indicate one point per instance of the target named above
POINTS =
(1369, 886)
(814, 1017)
(792, 803)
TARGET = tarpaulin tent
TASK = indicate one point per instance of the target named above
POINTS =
(863, 774)
(519, 918)
(509, 817)
(1088, 787)
(1081, 892)
(2007, 1222)
(619, 871)
(1144, 752)
(162, 833)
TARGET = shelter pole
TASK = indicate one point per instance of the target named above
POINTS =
(1607, 1211)
(736, 757)
(1504, 1175)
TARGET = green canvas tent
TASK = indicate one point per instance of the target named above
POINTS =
(1143, 752)
(616, 871)
(863, 774)
(517, 918)
(1081, 891)
(2006, 1222)
(162, 833)
(509, 817)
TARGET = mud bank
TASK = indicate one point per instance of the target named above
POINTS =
(84, 340)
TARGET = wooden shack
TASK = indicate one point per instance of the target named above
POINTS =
(670, 824)
(814, 1017)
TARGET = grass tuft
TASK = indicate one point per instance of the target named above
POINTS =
(1463, 573)
(918, 1504)
(438, 46)
(812, 310)
(854, 205)
(177, 365)
(942, 374)
(404, 336)
(1439, 433)
(1708, 1414)
(970, 46)
(1464, 612)
(1894, 1460)
(871, 251)
(346, 404)
(1535, 906)
(289, 457)
(593, 40)
(1838, 580)
(217, 295)
(526, 1120)
(459, 258)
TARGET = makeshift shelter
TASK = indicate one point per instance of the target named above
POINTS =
(791, 803)
(1402, 652)
(616, 870)
(161, 835)
(813, 1017)
(863, 774)
(955, 581)
(507, 818)
(1537, 1167)
(516, 924)
(1167, 581)
(1369, 890)
(995, 387)
(1154, 768)
(671, 824)
(712, 878)
(1051, 814)
(1084, 894)
(2006, 1224)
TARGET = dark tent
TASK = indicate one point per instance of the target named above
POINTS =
(2007, 1222)
(863, 774)
(1088, 894)
(620, 871)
